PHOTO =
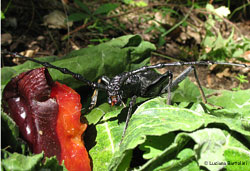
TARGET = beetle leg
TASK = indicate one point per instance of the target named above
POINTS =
(131, 103)
(105, 80)
(94, 97)
(204, 99)
(184, 75)
(169, 89)
(93, 102)
(123, 104)
(168, 74)
(205, 63)
(162, 65)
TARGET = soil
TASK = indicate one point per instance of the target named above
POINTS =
(24, 31)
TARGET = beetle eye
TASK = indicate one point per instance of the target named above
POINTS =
(109, 100)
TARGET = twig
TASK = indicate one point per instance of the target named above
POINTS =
(77, 29)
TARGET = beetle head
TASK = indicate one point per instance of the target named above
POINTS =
(114, 95)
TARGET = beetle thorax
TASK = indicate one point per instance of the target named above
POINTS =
(114, 91)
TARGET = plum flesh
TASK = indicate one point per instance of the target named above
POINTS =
(48, 115)
(26, 98)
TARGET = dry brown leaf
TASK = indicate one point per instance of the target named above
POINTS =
(6, 39)
(56, 20)
(224, 73)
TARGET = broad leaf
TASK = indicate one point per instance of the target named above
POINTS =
(185, 160)
(154, 122)
(213, 149)
(108, 58)
(20, 162)
(155, 118)
(83, 6)
(180, 137)
(10, 129)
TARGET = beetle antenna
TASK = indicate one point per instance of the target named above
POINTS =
(62, 70)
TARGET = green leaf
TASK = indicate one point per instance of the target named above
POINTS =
(83, 6)
(141, 4)
(104, 149)
(77, 16)
(156, 144)
(185, 160)
(105, 8)
(187, 91)
(10, 129)
(220, 42)
(149, 29)
(136, 3)
(109, 58)
(98, 112)
(237, 53)
(236, 104)
(239, 101)
(7, 73)
(19, 162)
(237, 159)
(10, 124)
(134, 41)
(212, 146)
(52, 164)
(179, 137)
(2, 15)
(210, 7)
(161, 41)
(163, 159)
(209, 147)
(155, 118)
